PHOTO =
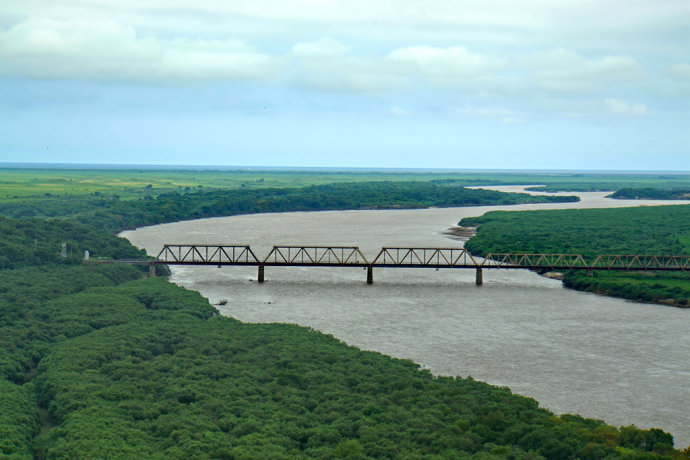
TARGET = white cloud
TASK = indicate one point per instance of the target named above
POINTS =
(471, 111)
(680, 71)
(405, 21)
(322, 48)
(512, 120)
(501, 114)
(341, 73)
(399, 111)
(442, 65)
(103, 49)
(622, 108)
(437, 49)
(565, 70)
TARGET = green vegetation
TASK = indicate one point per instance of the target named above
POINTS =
(98, 363)
(669, 288)
(644, 230)
(596, 182)
(36, 242)
(652, 194)
(115, 214)
(129, 184)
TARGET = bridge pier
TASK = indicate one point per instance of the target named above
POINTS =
(479, 278)
(370, 274)
(261, 274)
(589, 272)
(152, 270)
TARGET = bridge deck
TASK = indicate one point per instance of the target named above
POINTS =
(399, 257)
(410, 257)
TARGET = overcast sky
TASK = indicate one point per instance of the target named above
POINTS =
(496, 84)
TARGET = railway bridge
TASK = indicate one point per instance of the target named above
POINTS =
(403, 257)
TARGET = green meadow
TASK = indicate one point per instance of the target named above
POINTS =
(35, 183)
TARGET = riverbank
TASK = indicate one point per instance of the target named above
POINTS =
(101, 361)
(659, 230)
(572, 360)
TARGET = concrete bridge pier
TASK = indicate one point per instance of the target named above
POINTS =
(370, 274)
(152, 270)
(479, 278)
(261, 274)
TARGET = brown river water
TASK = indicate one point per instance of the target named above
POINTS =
(600, 357)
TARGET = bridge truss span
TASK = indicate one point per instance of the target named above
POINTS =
(195, 254)
(412, 257)
(641, 262)
(342, 256)
(425, 257)
(535, 261)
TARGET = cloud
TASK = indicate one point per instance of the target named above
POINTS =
(327, 64)
(502, 114)
(622, 108)
(103, 49)
(435, 51)
(500, 21)
(562, 69)
(324, 47)
(680, 71)
(446, 66)
(512, 120)
(399, 111)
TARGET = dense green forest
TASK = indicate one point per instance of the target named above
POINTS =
(31, 242)
(96, 362)
(641, 230)
(649, 193)
(114, 214)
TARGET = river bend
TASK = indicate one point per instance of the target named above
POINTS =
(620, 361)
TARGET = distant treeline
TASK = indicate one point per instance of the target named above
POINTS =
(96, 362)
(651, 194)
(115, 214)
(660, 230)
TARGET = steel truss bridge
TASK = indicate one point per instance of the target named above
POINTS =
(400, 257)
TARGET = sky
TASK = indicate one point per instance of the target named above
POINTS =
(455, 84)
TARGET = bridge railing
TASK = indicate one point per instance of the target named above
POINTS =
(207, 254)
(316, 256)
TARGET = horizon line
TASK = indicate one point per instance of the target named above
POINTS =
(32, 165)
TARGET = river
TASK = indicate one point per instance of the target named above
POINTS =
(605, 358)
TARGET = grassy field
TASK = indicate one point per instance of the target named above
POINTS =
(32, 183)
(133, 183)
